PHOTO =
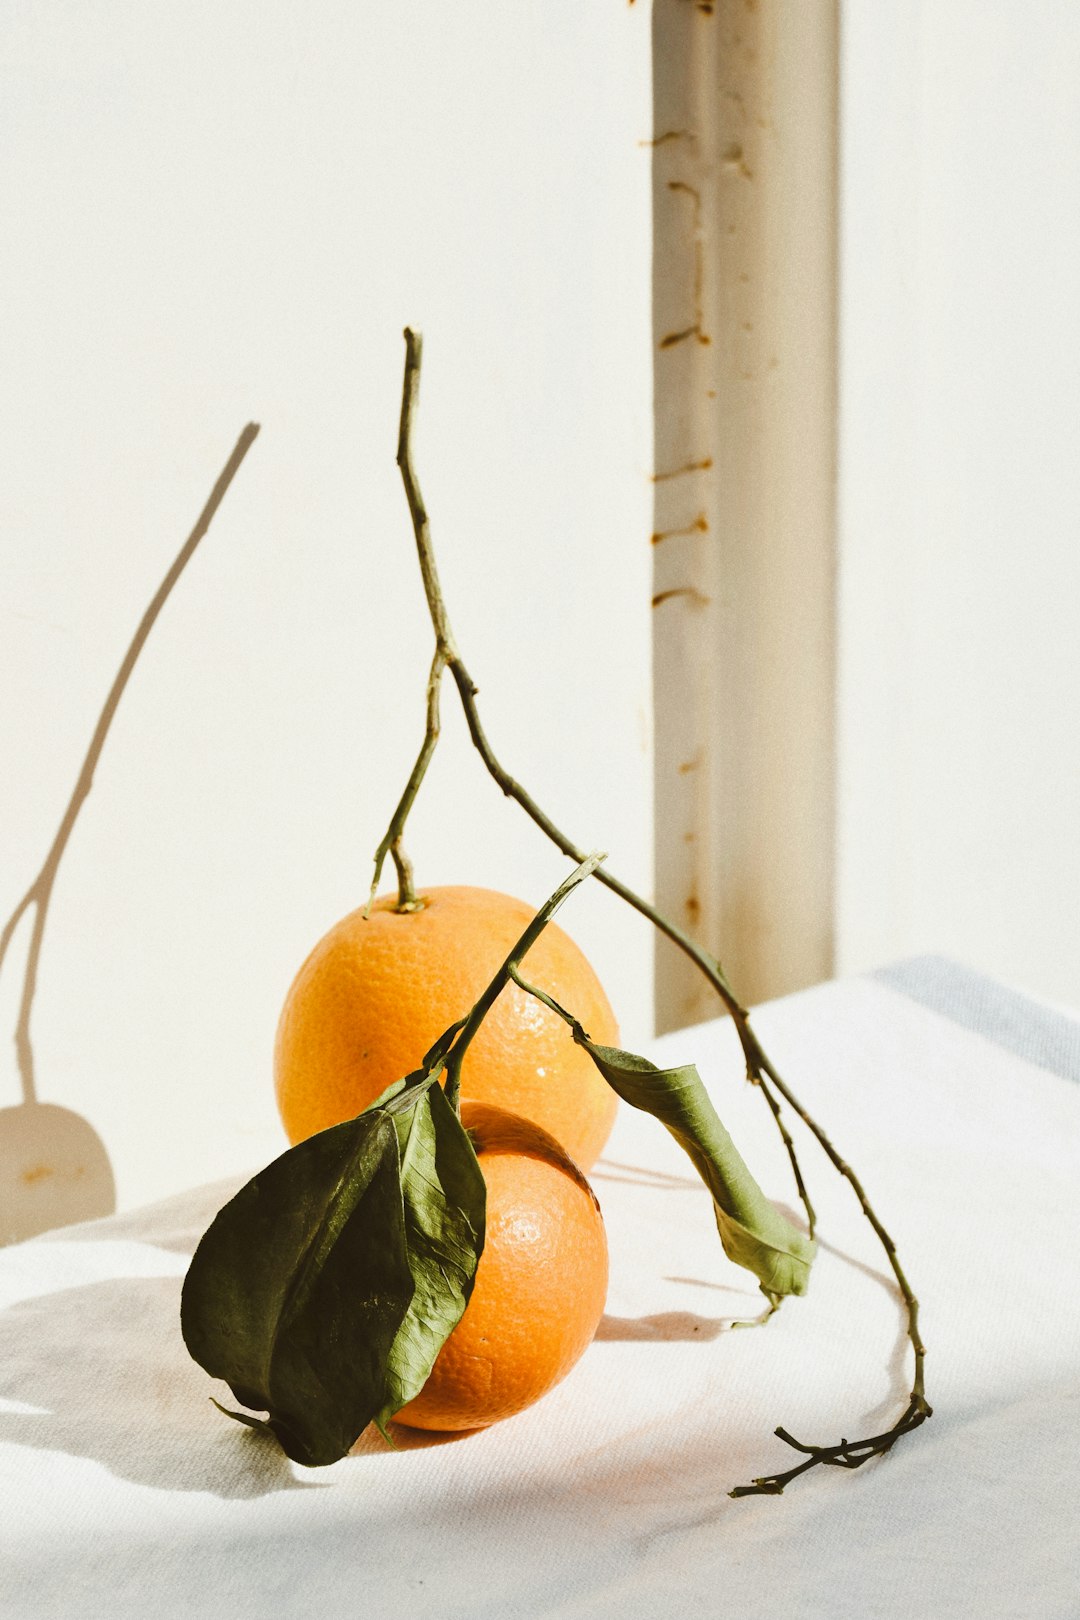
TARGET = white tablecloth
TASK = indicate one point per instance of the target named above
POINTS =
(123, 1492)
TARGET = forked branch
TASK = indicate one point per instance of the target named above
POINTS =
(759, 1069)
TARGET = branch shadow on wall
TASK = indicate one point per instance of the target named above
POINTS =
(54, 1167)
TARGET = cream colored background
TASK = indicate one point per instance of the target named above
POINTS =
(959, 676)
(223, 211)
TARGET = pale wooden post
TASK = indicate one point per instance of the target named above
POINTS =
(745, 187)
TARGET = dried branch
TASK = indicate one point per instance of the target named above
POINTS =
(759, 1069)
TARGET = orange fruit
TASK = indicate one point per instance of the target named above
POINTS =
(376, 993)
(540, 1285)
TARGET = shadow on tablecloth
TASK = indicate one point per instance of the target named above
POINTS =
(106, 1376)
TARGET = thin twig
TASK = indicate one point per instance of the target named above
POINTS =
(585, 868)
(774, 1302)
(581, 1036)
(39, 894)
(759, 1069)
(445, 1056)
(391, 844)
(848, 1454)
(447, 656)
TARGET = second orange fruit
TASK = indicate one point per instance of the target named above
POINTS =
(375, 993)
(540, 1285)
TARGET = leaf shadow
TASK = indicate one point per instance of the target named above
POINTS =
(669, 1326)
(105, 1374)
(637, 1175)
(372, 1444)
(896, 1366)
(175, 1223)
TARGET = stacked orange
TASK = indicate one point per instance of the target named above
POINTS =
(371, 998)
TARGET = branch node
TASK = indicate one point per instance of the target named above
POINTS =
(760, 1071)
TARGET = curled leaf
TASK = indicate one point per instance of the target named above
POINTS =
(752, 1230)
(444, 1200)
(324, 1290)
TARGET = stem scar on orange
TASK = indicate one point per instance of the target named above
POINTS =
(375, 994)
(540, 1286)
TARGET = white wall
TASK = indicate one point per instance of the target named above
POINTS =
(959, 487)
(221, 210)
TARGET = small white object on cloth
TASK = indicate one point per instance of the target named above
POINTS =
(126, 1493)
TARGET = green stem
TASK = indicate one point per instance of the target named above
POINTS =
(445, 648)
(410, 394)
(392, 842)
(447, 656)
(742, 1209)
(760, 1071)
(708, 965)
(507, 970)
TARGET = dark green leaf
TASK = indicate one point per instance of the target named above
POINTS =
(298, 1289)
(445, 1199)
(324, 1291)
(753, 1231)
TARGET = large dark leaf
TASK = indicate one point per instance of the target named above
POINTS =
(324, 1290)
(445, 1200)
(298, 1289)
(753, 1231)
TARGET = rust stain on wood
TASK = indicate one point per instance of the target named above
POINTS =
(694, 331)
(677, 472)
(670, 135)
(681, 590)
(697, 329)
(734, 159)
(700, 525)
